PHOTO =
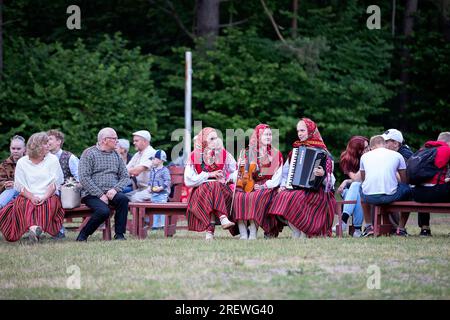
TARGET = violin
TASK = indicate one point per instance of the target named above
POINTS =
(245, 179)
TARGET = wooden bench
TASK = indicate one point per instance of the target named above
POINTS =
(85, 212)
(382, 224)
(171, 209)
(339, 207)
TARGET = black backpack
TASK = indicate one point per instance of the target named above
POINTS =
(420, 167)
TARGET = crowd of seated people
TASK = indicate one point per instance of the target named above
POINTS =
(241, 196)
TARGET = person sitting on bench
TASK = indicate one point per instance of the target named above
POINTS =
(436, 189)
(103, 176)
(379, 169)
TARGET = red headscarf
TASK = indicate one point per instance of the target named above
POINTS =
(315, 141)
(314, 138)
(268, 162)
(204, 158)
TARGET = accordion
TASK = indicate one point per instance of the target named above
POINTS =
(301, 168)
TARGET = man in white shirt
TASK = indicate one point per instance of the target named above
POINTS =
(139, 165)
(68, 162)
(379, 168)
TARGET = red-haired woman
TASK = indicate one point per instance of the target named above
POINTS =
(250, 208)
(206, 170)
(350, 187)
(307, 211)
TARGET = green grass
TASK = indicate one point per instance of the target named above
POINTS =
(188, 267)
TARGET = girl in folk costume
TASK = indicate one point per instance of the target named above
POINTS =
(311, 212)
(250, 208)
(206, 170)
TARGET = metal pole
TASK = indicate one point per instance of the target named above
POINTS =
(188, 106)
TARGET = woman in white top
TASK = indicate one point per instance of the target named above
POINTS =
(207, 170)
(38, 178)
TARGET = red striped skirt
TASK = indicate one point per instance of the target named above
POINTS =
(20, 214)
(255, 206)
(310, 212)
(205, 200)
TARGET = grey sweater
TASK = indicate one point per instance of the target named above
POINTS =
(101, 171)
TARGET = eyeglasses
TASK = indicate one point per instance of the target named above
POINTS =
(112, 138)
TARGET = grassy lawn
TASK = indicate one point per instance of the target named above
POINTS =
(188, 267)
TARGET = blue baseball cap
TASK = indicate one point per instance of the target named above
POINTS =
(160, 154)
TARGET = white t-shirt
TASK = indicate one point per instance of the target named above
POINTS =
(380, 167)
(141, 158)
(37, 177)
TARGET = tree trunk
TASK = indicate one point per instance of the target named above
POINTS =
(445, 19)
(405, 59)
(208, 21)
(1, 39)
(294, 26)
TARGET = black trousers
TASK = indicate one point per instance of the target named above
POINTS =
(101, 213)
(437, 193)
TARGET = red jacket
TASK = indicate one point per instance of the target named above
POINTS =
(441, 161)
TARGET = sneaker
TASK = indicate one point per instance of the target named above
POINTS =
(401, 232)
(35, 233)
(59, 236)
(119, 236)
(344, 227)
(81, 237)
(209, 236)
(226, 224)
(368, 232)
(357, 233)
(425, 233)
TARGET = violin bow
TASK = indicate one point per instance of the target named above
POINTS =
(234, 191)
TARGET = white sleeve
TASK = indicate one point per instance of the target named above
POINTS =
(73, 166)
(230, 166)
(284, 173)
(20, 180)
(329, 176)
(192, 178)
(276, 179)
(58, 175)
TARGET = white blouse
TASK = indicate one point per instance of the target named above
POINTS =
(194, 179)
(285, 173)
(36, 178)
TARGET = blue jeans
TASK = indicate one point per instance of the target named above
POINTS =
(6, 196)
(352, 194)
(159, 219)
(403, 193)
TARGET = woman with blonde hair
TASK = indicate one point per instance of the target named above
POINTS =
(37, 209)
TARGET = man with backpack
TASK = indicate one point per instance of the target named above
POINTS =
(427, 170)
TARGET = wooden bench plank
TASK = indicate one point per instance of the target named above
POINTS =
(382, 224)
(85, 212)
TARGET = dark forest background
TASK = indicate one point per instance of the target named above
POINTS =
(254, 61)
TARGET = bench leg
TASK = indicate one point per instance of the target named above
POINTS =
(107, 230)
(170, 225)
(141, 217)
(135, 217)
(377, 222)
(339, 226)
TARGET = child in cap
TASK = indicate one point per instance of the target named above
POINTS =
(158, 187)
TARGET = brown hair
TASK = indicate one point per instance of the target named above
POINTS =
(57, 134)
